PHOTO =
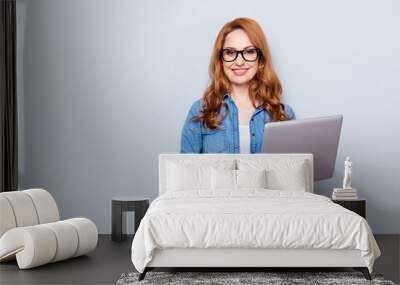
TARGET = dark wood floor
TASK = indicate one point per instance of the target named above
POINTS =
(103, 266)
(111, 259)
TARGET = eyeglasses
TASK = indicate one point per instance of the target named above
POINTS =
(250, 54)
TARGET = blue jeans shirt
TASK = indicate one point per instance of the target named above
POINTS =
(225, 139)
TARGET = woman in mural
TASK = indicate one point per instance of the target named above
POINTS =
(243, 95)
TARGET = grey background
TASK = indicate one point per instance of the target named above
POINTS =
(104, 87)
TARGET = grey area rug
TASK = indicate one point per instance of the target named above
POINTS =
(229, 278)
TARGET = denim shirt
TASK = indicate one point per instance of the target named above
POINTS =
(225, 139)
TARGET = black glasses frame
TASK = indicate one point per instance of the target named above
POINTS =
(241, 53)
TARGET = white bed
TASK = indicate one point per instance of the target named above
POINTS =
(199, 226)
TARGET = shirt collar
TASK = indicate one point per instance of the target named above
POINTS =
(226, 95)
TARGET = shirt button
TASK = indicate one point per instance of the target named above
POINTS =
(252, 120)
(252, 134)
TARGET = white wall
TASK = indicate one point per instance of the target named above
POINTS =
(104, 87)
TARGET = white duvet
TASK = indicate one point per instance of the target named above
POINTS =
(250, 218)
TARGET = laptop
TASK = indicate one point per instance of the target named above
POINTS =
(319, 136)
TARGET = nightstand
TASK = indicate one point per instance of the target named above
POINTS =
(358, 206)
(123, 204)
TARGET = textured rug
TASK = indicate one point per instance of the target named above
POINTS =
(230, 278)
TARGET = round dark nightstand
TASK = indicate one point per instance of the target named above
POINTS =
(124, 204)
(358, 206)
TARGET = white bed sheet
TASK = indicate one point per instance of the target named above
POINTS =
(250, 218)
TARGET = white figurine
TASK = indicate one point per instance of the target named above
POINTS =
(347, 173)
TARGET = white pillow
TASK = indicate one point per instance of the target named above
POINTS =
(287, 179)
(282, 174)
(188, 175)
(237, 179)
(251, 178)
(191, 177)
(223, 179)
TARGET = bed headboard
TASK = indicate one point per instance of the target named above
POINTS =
(165, 157)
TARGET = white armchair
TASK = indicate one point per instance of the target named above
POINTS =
(32, 233)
